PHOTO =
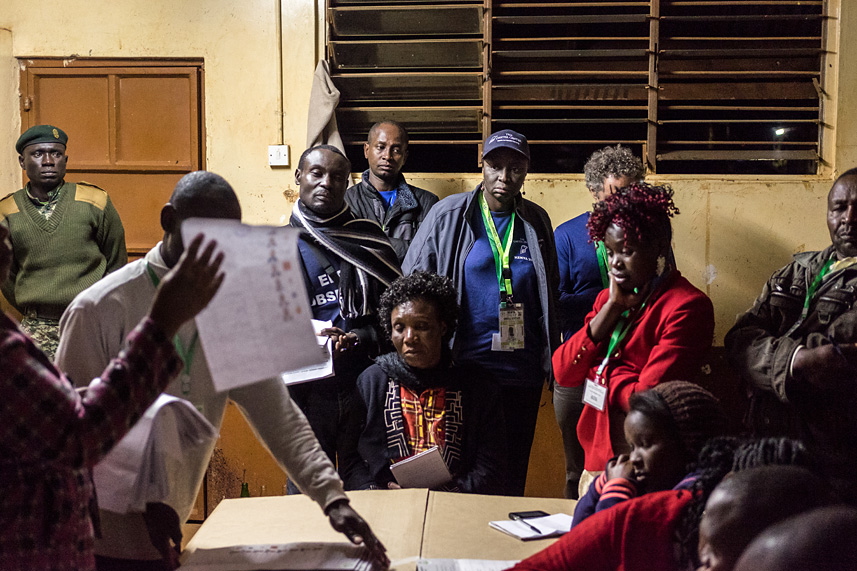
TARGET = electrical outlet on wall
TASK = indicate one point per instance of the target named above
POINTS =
(278, 155)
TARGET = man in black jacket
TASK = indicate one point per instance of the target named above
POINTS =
(383, 195)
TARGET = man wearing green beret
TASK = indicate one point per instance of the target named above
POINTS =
(65, 236)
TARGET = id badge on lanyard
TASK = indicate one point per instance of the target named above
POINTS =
(595, 390)
(511, 334)
(510, 314)
(595, 394)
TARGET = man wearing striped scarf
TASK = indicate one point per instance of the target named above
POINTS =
(347, 263)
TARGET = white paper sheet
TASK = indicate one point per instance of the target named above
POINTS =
(291, 556)
(258, 324)
(136, 471)
(464, 565)
(314, 372)
(549, 526)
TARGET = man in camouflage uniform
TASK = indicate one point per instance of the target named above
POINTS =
(65, 236)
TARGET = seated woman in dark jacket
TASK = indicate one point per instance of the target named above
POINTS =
(416, 398)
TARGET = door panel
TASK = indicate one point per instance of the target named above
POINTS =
(143, 194)
(134, 129)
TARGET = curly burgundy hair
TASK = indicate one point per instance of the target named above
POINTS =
(642, 210)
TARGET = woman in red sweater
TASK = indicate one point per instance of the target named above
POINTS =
(651, 325)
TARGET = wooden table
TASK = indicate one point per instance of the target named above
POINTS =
(411, 523)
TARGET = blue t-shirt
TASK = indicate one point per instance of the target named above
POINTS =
(579, 274)
(323, 292)
(389, 196)
(480, 307)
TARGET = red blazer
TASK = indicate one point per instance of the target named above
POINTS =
(668, 342)
(637, 535)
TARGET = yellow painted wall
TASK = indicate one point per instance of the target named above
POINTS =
(732, 233)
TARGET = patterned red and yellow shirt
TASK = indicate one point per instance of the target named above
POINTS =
(424, 416)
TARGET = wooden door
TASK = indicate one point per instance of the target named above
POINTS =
(135, 128)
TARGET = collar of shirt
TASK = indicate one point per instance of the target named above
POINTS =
(842, 264)
(400, 183)
(46, 207)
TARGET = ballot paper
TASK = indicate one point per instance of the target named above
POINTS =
(258, 324)
(135, 472)
(424, 470)
(464, 564)
(549, 526)
(314, 372)
(290, 556)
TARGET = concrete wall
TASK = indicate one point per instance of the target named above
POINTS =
(732, 231)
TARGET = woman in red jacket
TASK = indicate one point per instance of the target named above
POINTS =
(651, 325)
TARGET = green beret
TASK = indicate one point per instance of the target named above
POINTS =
(41, 134)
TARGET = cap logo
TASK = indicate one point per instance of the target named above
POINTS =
(56, 134)
(506, 137)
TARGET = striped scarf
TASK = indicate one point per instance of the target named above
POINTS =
(368, 263)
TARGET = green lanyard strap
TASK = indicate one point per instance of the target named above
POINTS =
(617, 338)
(601, 254)
(810, 293)
(186, 355)
(499, 249)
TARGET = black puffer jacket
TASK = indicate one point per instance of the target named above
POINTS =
(404, 217)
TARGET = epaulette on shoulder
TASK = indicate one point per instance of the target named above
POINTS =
(8, 205)
(92, 194)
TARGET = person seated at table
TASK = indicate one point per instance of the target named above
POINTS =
(819, 539)
(660, 530)
(666, 428)
(50, 436)
(650, 326)
(747, 502)
(416, 397)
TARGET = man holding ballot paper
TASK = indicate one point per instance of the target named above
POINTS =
(94, 328)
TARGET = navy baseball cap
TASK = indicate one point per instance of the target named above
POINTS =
(509, 139)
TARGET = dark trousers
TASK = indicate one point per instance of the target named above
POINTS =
(331, 412)
(521, 409)
(567, 406)
(111, 564)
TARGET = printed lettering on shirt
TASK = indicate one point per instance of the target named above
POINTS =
(524, 252)
(323, 298)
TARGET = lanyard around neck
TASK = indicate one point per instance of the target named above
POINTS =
(186, 355)
(601, 254)
(499, 248)
(810, 293)
(617, 338)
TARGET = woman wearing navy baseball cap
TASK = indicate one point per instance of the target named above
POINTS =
(498, 248)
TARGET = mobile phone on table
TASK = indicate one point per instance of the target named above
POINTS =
(527, 515)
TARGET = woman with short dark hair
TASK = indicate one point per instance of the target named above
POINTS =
(416, 398)
(649, 326)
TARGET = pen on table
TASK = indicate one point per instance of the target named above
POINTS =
(526, 523)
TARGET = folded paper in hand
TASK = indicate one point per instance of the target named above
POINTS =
(549, 525)
(323, 370)
(134, 473)
(424, 470)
